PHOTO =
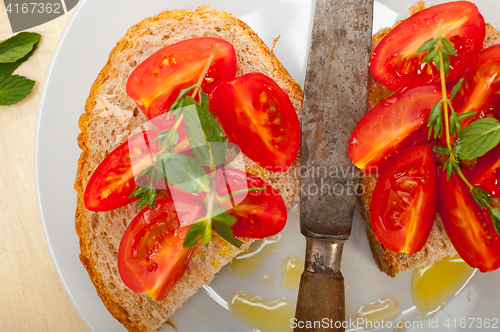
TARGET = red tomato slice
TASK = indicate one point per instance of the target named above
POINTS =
(113, 181)
(151, 256)
(394, 62)
(480, 91)
(258, 116)
(403, 204)
(156, 82)
(396, 123)
(260, 213)
(486, 172)
(469, 227)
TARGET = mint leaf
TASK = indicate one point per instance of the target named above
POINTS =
(18, 46)
(14, 88)
(195, 234)
(183, 171)
(495, 217)
(477, 138)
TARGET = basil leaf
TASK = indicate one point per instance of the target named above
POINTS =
(146, 196)
(18, 46)
(495, 217)
(455, 124)
(205, 136)
(178, 103)
(466, 115)
(446, 64)
(7, 69)
(204, 101)
(183, 171)
(477, 138)
(14, 88)
(456, 87)
(186, 101)
(224, 230)
(207, 235)
(448, 47)
(450, 166)
(432, 56)
(442, 149)
(225, 218)
(481, 197)
(195, 234)
(427, 45)
(435, 121)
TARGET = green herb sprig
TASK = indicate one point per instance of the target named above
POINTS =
(208, 144)
(13, 52)
(473, 141)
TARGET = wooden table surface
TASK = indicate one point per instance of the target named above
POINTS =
(31, 295)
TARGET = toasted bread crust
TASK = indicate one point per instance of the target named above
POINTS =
(438, 244)
(110, 115)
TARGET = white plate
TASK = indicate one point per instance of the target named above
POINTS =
(91, 33)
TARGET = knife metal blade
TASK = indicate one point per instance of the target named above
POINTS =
(335, 99)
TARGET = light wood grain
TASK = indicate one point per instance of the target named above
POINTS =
(31, 295)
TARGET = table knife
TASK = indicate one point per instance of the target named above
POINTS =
(335, 99)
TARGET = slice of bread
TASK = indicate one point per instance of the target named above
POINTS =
(109, 118)
(438, 245)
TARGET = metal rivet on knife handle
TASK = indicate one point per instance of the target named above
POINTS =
(335, 99)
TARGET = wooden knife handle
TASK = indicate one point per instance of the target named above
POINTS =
(321, 303)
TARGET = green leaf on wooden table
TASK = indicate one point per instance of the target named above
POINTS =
(183, 171)
(7, 69)
(14, 88)
(477, 138)
(17, 47)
